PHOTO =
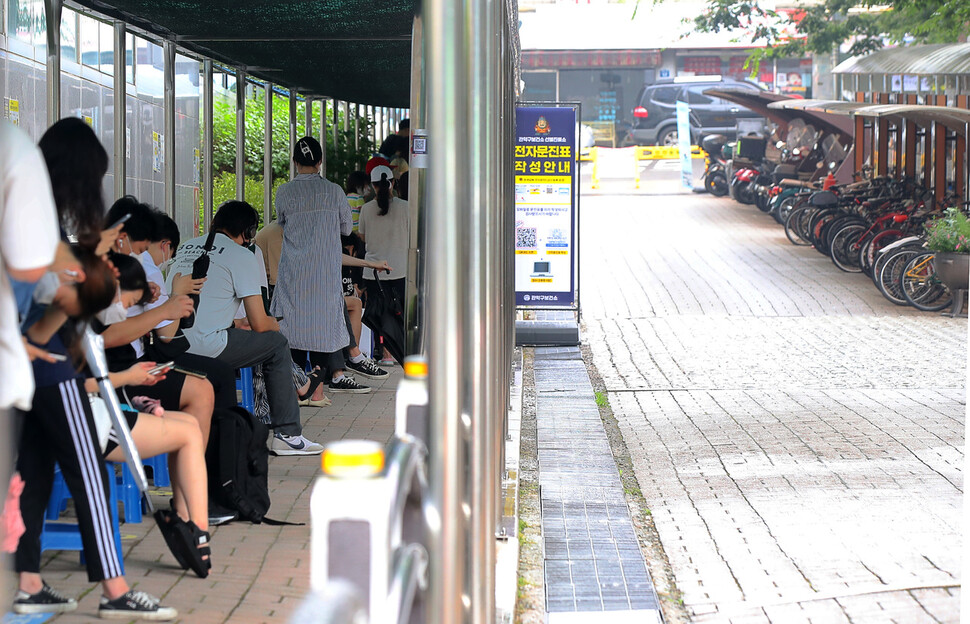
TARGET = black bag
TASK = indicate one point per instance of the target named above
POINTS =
(237, 460)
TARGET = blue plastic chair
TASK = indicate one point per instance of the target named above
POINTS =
(244, 386)
(67, 535)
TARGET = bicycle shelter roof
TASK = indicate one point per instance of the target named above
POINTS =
(771, 106)
(953, 118)
(353, 50)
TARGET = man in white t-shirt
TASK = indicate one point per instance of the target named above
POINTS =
(28, 241)
(234, 276)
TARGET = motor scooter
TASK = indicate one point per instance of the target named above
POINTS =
(715, 175)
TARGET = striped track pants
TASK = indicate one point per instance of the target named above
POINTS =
(60, 428)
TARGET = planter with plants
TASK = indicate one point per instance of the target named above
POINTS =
(949, 237)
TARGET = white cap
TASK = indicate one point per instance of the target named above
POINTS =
(376, 172)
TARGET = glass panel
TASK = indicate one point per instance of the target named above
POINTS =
(69, 35)
(106, 57)
(149, 73)
(38, 24)
(694, 95)
(88, 31)
(129, 58)
(666, 95)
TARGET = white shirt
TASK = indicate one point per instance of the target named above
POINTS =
(386, 237)
(263, 282)
(155, 276)
(28, 240)
(233, 275)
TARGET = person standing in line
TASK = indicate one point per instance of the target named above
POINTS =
(308, 298)
(384, 228)
(357, 186)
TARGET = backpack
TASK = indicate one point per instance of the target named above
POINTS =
(237, 461)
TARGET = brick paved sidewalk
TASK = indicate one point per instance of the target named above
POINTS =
(798, 438)
(260, 573)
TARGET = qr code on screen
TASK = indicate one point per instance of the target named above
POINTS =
(525, 238)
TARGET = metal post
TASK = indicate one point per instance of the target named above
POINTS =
(356, 130)
(52, 9)
(323, 135)
(448, 183)
(267, 153)
(293, 138)
(207, 144)
(240, 135)
(120, 111)
(335, 125)
(415, 311)
(480, 339)
(308, 110)
(168, 49)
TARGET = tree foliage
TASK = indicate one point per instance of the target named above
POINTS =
(824, 26)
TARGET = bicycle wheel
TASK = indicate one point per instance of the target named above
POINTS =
(878, 241)
(889, 272)
(843, 251)
(791, 225)
(920, 286)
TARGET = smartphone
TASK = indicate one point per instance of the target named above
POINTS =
(119, 221)
(189, 371)
(58, 357)
(161, 368)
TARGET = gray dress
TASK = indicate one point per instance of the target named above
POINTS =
(309, 296)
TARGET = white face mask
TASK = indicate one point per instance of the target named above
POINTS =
(114, 313)
(46, 288)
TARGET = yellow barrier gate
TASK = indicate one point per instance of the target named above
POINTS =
(591, 154)
(659, 152)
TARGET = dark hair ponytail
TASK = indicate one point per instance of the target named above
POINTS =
(383, 195)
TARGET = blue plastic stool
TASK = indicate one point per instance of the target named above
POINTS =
(159, 466)
(244, 386)
(67, 536)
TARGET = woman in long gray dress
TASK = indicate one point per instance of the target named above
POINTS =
(313, 213)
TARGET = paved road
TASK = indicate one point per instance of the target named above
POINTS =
(798, 439)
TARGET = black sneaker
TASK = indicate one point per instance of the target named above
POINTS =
(367, 368)
(45, 601)
(346, 384)
(135, 605)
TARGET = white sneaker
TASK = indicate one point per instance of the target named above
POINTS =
(293, 445)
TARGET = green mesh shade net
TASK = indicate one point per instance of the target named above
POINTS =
(354, 50)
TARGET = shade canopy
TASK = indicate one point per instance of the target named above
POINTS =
(354, 50)
(775, 107)
(925, 60)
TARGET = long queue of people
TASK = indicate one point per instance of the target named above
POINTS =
(285, 300)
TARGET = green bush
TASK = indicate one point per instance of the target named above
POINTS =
(224, 189)
(949, 233)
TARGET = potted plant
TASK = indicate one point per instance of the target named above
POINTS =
(949, 237)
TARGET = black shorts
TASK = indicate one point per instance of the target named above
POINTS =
(132, 418)
(168, 391)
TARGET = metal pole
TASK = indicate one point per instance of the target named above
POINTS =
(168, 49)
(446, 91)
(267, 153)
(480, 339)
(120, 111)
(356, 130)
(52, 9)
(240, 135)
(415, 311)
(336, 125)
(308, 110)
(293, 138)
(207, 144)
(323, 135)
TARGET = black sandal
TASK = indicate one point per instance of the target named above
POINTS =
(189, 544)
(194, 543)
(167, 520)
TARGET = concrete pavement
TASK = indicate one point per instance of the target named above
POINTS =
(798, 438)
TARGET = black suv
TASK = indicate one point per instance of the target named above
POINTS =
(655, 116)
